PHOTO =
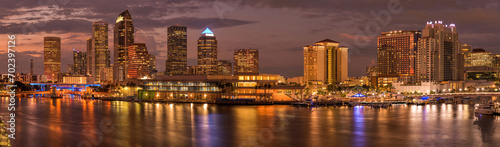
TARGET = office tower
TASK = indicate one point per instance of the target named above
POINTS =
(123, 38)
(31, 67)
(79, 63)
(176, 50)
(396, 51)
(207, 52)
(437, 53)
(138, 62)
(224, 67)
(152, 64)
(479, 57)
(325, 62)
(90, 58)
(246, 62)
(98, 54)
(52, 57)
(464, 52)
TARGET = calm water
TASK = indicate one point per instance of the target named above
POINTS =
(77, 122)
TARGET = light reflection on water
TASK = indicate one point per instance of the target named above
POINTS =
(73, 121)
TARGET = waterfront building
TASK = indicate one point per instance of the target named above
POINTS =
(123, 38)
(426, 88)
(138, 62)
(481, 73)
(479, 57)
(246, 62)
(79, 66)
(438, 50)
(224, 67)
(97, 49)
(212, 87)
(176, 62)
(396, 52)
(325, 62)
(52, 58)
(207, 52)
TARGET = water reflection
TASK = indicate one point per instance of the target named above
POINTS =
(73, 121)
(486, 124)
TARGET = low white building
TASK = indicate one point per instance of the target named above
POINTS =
(424, 87)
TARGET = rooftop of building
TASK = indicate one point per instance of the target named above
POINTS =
(327, 40)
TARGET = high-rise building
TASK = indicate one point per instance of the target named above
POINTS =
(464, 52)
(138, 61)
(224, 67)
(438, 50)
(325, 62)
(176, 50)
(123, 38)
(207, 52)
(396, 52)
(52, 57)
(31, 67)
(79, 63)
(246, 62)
(98, 54)
(152, 64)
(90, 58)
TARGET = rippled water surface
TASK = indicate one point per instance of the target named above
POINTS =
(74, 122)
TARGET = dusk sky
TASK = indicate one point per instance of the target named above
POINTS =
(278, 28)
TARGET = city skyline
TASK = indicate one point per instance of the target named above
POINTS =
(471, 31)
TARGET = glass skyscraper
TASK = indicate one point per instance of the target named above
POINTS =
(123, 38)
(176, 50)
(52, 57)
(207, 52)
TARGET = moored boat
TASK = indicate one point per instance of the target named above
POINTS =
(306, 103)
(486, 108)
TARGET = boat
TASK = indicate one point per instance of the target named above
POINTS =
(306, 103)
(485, 108)
(495, 106)
(422, 102)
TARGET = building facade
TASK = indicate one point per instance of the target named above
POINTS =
(79, 63)
(479, 57)
(123, 38)
(152, 64)
(176, 50)
(325, 62)
(224, 67)
(207, 52)
(138, 62)
(52, 58)
(98, 54)
(246, 62)
(106, 75)
(438, 50)
(396, 52)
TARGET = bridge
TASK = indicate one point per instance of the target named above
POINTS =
(72, 87)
